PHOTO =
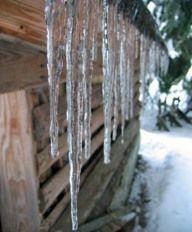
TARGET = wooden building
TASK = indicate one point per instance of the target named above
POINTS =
(34, 189)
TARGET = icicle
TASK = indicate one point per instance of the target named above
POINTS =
(55, 65)
(127, 72)
(116, 86)
(72, 109)
(116, 106)
(142, 67)
(78, 38)
(132, 66)
(86, 81)
(107, 88)
(122, 79)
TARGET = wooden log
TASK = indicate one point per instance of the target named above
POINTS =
(41, 114)
(24, 67)
(59, 182)
(44, 161)
(98, 180)
(18, 192)
(122, 191)
(21, 67)
(119, 184)
(60, 207)
(123, 216)
(24, 20)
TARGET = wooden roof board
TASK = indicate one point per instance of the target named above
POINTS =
(24, 66)
(23, 19)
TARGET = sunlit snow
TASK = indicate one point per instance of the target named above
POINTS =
(169, 156)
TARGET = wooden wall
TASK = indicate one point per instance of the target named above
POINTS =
(34, 189)
(53, 174)
(42, 184)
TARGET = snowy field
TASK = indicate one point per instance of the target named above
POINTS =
(169, 177)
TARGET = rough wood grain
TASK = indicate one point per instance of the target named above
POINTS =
(21, 67)
(41, 115)
(60, 207)
(18, 189)
(123, 216)
(43, 158)
(25, 67)
(23, 19)
(60, 181)
(98, 180)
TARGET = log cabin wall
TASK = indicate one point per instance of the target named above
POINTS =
(53, 174)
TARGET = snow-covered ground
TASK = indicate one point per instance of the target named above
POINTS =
(169, 177)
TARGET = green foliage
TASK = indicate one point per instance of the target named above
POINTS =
(175, 23)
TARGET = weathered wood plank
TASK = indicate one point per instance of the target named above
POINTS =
(21, 67)
(59, 182)
(57, 211)
(123, 216)
(98, 180)
(122, 191)
(23, 19)
(43, 158)
(18, 193)
(25, 67)
(41, 114)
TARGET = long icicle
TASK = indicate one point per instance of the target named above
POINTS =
(53, 79)
(71, 111)
(106, 84)
(118, 71)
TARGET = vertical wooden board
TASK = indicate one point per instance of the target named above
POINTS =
(18, 188)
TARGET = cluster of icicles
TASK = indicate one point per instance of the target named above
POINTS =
(74, 30)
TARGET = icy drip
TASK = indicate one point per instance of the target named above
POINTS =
(86, 81)
(55, 65)
(142, 66)
(81, 37)
(127, 71)
(107, 85)
(119, 52)
(132, 65)
(71, 87)
(122, 79)
(116, 87)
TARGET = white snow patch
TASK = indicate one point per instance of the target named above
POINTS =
(169, 156)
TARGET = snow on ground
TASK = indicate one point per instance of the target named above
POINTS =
(169, 177)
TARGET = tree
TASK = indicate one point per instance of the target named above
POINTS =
(174, 18)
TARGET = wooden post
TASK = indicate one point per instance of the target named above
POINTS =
(18, 186)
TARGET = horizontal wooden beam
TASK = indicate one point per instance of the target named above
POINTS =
(23, 19)
(21, 67)
(57, 184)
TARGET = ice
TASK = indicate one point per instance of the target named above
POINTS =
(107, 82)
(55, 65)
(81, 39)
(73, 31)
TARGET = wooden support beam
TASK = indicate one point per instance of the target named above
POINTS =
(21, 67)
(23, 19)
(18, 185)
